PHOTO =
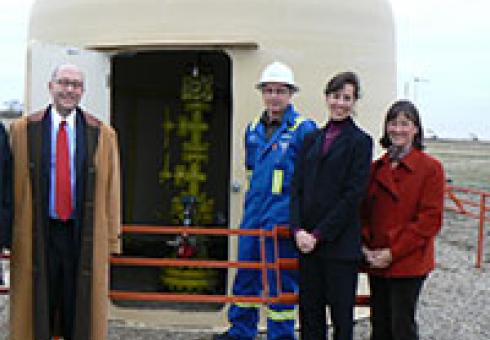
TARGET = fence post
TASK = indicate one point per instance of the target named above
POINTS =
(264, 263)
(481, 228)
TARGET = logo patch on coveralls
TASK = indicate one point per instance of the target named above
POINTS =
(284, 146)
(284, 142)
(252, 138)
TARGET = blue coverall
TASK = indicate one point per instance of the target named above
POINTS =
(270, 164)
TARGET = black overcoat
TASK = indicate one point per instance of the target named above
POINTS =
(327, 190)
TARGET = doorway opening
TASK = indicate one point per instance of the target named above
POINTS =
(172, 111)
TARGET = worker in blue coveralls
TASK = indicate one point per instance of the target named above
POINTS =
(272, 141)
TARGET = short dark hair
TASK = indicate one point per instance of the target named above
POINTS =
(408, 109)
(340, 80)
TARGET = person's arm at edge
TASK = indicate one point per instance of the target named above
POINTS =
(6, 195)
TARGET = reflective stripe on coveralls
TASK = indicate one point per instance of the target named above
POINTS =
(281, 315)
(247, 304)
(277, 179)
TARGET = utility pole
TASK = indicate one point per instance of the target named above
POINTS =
(416, 81)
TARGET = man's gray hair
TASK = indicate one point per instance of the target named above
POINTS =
(54, 74)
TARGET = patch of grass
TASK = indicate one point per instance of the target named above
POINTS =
(467, 163)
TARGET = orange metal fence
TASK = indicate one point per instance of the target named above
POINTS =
(460, 200)
(263, 265)
(277, 265)
(474, 204)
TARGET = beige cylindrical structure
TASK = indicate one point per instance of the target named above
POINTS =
(317, 38)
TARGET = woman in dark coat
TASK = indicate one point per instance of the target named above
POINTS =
(402, 214)
(330, 179)
(5, 194)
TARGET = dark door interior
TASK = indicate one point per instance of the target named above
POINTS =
(172, 112)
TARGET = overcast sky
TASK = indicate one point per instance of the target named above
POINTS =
(445, 44)
(443, 60)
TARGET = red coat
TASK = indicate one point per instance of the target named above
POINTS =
(403, 211)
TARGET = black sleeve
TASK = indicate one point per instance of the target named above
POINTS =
(330, 227)
(6, 194)
(295, 220)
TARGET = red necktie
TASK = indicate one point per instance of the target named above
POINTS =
(63, 203)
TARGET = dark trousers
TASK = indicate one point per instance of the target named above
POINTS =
(393, 307)
(62, 269)
(326, 282)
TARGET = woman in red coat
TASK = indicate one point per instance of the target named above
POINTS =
(402, 214)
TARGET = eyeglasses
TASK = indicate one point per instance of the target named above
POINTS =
(277, 91)
(76, 84)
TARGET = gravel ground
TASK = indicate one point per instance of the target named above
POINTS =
(455, 302)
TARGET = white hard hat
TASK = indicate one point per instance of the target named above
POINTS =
(277, 72)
